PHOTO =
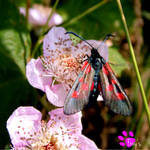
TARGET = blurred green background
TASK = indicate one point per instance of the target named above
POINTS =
(18, 39)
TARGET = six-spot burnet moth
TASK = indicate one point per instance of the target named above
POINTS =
(96, 77)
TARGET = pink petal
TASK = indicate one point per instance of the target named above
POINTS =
(55, 42)
(55, 20)
(35, 17)
(23, 123)
(71, 122)
(81, 49)
(56, 94)
(36, 75)
(38, 78)
(86, 144)
(70, 130)
(38, 16)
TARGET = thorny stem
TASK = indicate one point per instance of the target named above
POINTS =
(91, 9)
(45, 28)
(134, 61)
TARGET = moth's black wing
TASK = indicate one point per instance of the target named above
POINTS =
(114, 95)
(78, 96)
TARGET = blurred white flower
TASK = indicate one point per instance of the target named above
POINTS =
(38, 15)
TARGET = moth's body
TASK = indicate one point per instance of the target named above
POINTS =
(96, 77)
(96, 62)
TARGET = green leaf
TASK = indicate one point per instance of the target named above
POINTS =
(116, 60)
(14, 36)
(14, 50)
(13, 45)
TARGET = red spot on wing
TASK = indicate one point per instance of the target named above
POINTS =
(84, 65)
(113, 81)
(75, 94)
(99, 87)
(108, 67)
(84, 87)
(88, 69)
(120, 96)
(92, 86)
(81, 79)
(110, 87)
(105, 70)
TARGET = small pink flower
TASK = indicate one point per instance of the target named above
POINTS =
(55, 72)
(62, 132)
(38, 15)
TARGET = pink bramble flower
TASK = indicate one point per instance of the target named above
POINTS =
(38, 15)
(61, 132)
(55, 71)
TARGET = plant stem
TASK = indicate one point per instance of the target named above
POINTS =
(39, 41)
(27, 10)
(134, 60)
(91, 9)
(46, 27)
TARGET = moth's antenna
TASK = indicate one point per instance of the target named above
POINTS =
(108, 36)
(105, 39)
(80, 38)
